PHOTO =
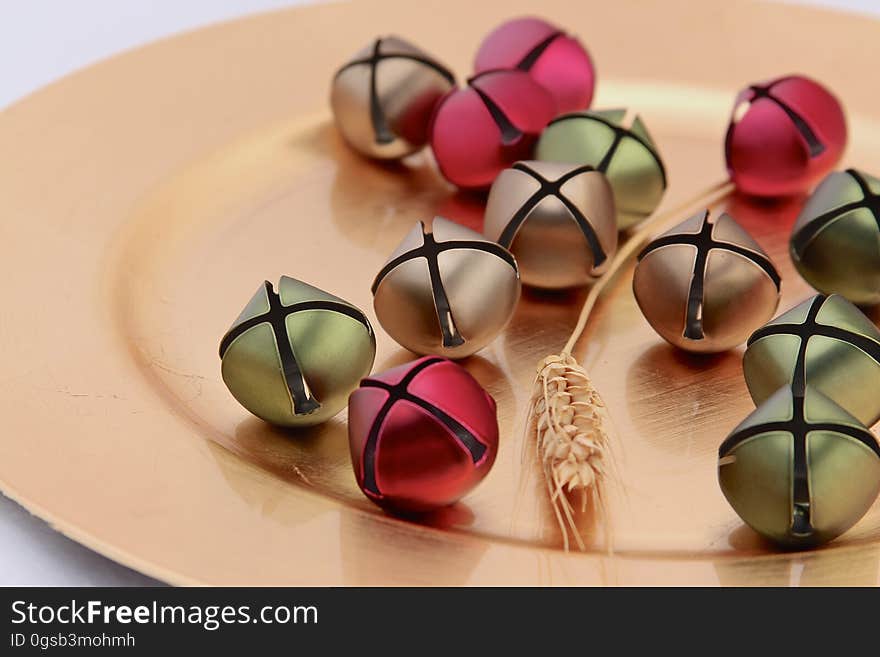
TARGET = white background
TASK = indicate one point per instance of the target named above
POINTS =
(41, 40)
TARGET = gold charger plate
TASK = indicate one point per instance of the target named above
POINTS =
(143, 200)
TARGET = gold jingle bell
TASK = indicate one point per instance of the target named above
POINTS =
(293, 356)
(835, 243)
(837, 345)
(383, 98)
(800, 470)
(618, 144)
(705, 285)
(557, 219)
(446, 291)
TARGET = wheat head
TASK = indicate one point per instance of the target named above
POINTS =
(568, 424)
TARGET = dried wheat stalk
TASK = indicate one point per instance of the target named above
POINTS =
(567, 419)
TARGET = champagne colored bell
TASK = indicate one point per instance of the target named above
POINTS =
(479, 130)
(383, 98)
(557, 219)
(616, 143)
(784, 135)
(293, 356)
(835, 243)
(800, 470)
(421, 435)
(705, 285)
(837, 345)
(446, 291)
(557, 61)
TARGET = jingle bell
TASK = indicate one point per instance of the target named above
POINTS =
(800, 470)
(557, 219)
(293, 356)
(557, 61)
(618, 145)
(783, 136)
(838, 347)
(705, 285)
(446, 291)
(421, 435)
(383, 98)
(485, 127)
(835, 243)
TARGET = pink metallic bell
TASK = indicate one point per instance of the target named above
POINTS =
(479, 130)
(421, 434)
(557, 61)
(784, 135)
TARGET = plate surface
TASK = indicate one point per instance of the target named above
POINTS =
(144, 199)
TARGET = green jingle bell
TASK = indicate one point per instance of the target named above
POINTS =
(293, 356)
(616, 143)
(800, 470)
(835, 243)
(837, 345)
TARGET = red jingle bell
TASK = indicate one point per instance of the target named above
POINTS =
(557, 61)
(421, 434)
(482, 129)
(784, 135)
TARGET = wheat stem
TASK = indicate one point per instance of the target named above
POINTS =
(637, 240)
(567, 416)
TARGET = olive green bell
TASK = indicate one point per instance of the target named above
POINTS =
(838, 346)
(617, 144)
(293, 356)
(835, 243)
(800, 470)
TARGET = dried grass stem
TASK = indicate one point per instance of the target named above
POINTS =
(567, 419)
